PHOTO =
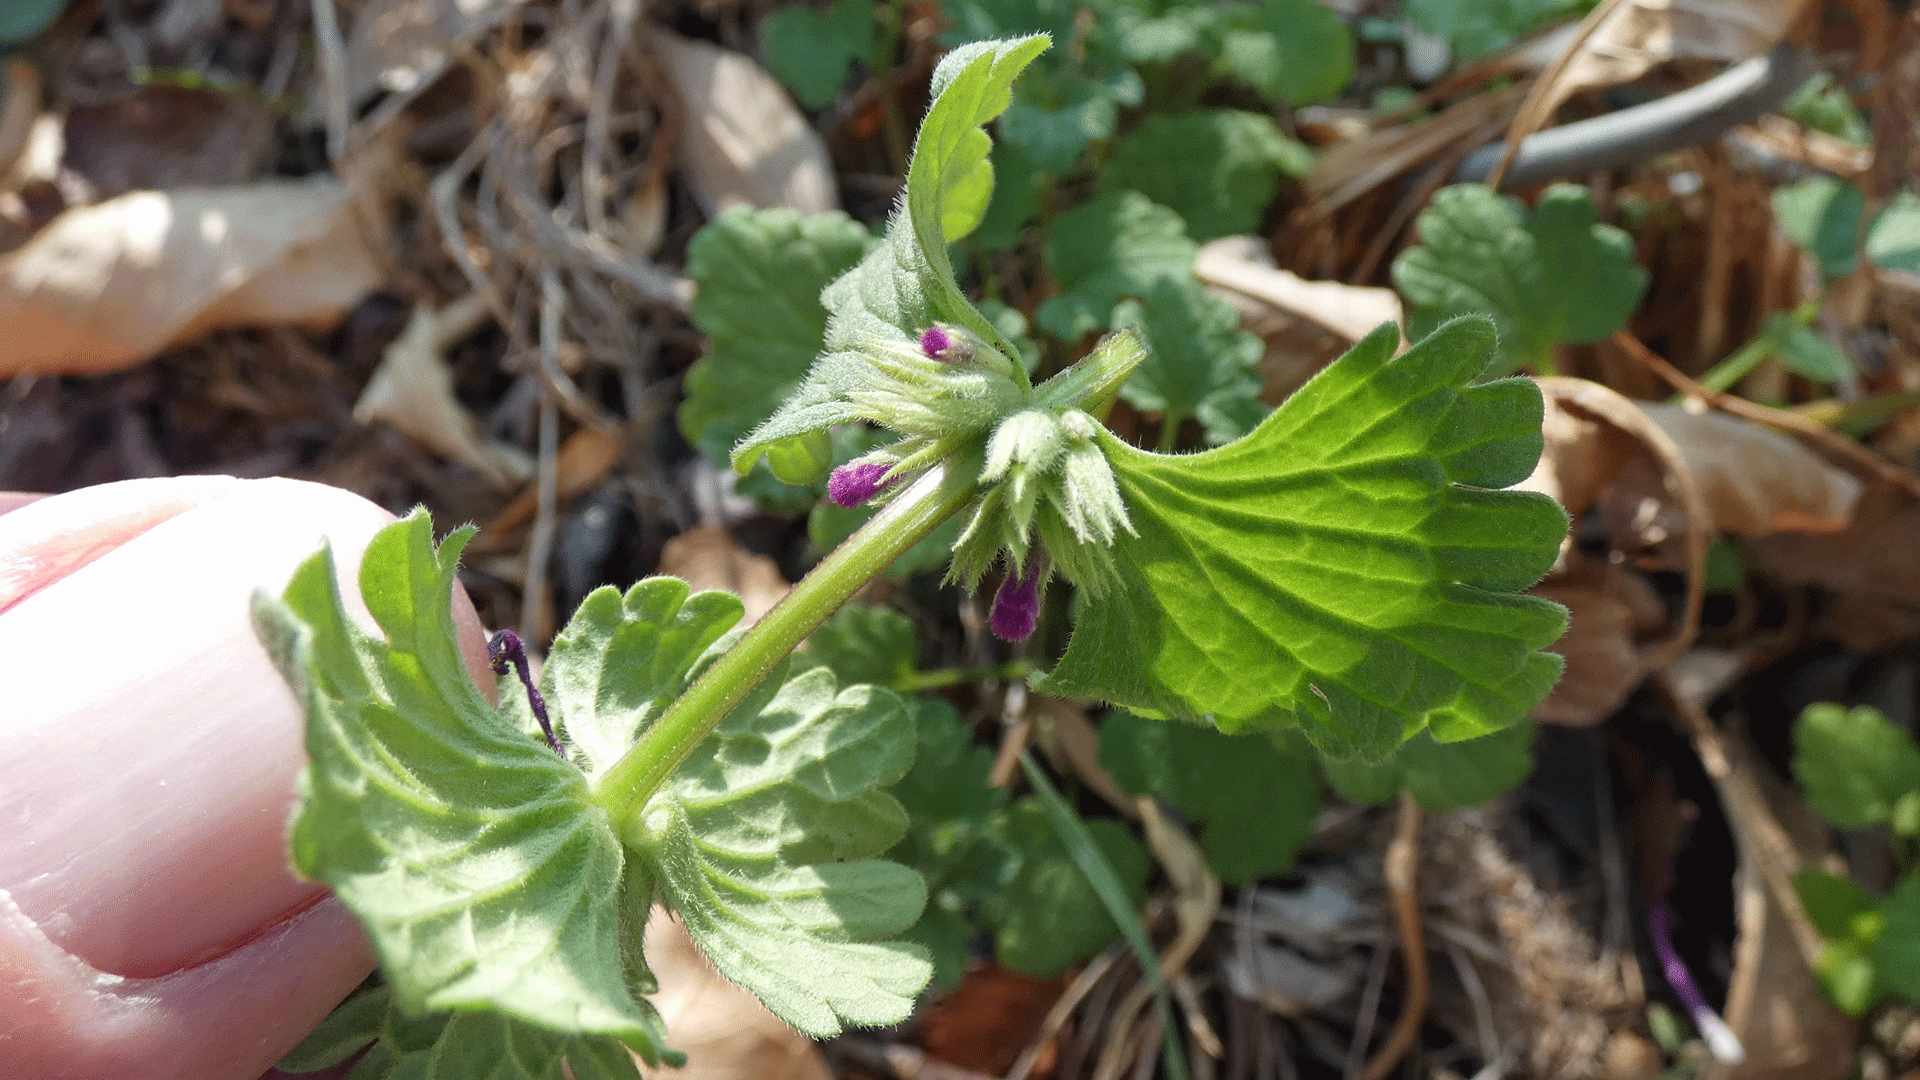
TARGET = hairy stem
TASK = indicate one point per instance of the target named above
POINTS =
(632, 780)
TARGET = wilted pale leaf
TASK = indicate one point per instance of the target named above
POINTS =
(109, 285)
(745, 144)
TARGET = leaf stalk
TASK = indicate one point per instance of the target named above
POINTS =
(644, 769)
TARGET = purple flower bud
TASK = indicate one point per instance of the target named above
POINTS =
(1016, 607)
(857, 481)
(942, 344)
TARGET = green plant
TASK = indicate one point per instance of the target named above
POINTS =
(1860, 771)
(1551, 276)
(1349, 568)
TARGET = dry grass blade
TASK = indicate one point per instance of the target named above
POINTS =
(1403, 878)
(1621, 40)
(1822, 436)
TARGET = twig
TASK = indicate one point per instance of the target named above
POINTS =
(1057, 1016)
(534, 613)
(1016, 730)
(1758, 833)
(1477, 994)
(1403, 877)
(593, 179)
(333, 78)
(1827, 439)
(18, 114)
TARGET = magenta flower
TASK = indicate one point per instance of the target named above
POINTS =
(1016, 607)
(857, 481)
(942, 344)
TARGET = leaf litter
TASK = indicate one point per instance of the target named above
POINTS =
(545, 166)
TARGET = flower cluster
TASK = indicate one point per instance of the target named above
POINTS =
(1049, 500)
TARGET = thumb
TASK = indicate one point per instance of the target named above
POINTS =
(149, 925)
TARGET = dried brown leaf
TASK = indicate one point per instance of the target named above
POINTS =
(402, 45)
(745, 142)
(1243, 265)
(1774, 1002)
(989, 1018)
(1756, 482)
(106, 286)
(412, 391)
(582, 462)
(1605, 660)
(161, 137)
(1875, 562)
(710, 558)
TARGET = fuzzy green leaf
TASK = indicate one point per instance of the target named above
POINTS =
(622, 659)
(866, 643)
(758, 276)
(1253, 799)
(485, 875)
(1048, 918)
(1441, 777)
(1855, 765)
(1114, 247)
(763, 840)
(810, 51)
(906, 283)
(1554, 277)
(1346, 567)
(1217, 168)
(453, 1046)
(1296, 51)
(1199, 362)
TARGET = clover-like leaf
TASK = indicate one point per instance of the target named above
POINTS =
(906, 283)
(1557, 276)
(1476, 27)
(485, 875)
(1252, 797)
(1896, 952)
(1217, 168)
(950, 812)
(1346, 567)
(1106, 250)
(1856, 766)
(758, 275)
(1296, 51)
(1849, 920)
(453, 1046)
(1047, 917)
(762, 841)
(1055, 115)
(1199, 362)
(1441, 777)
(866, 643)
(811, 51)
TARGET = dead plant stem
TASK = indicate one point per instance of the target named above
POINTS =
(1403, 878)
